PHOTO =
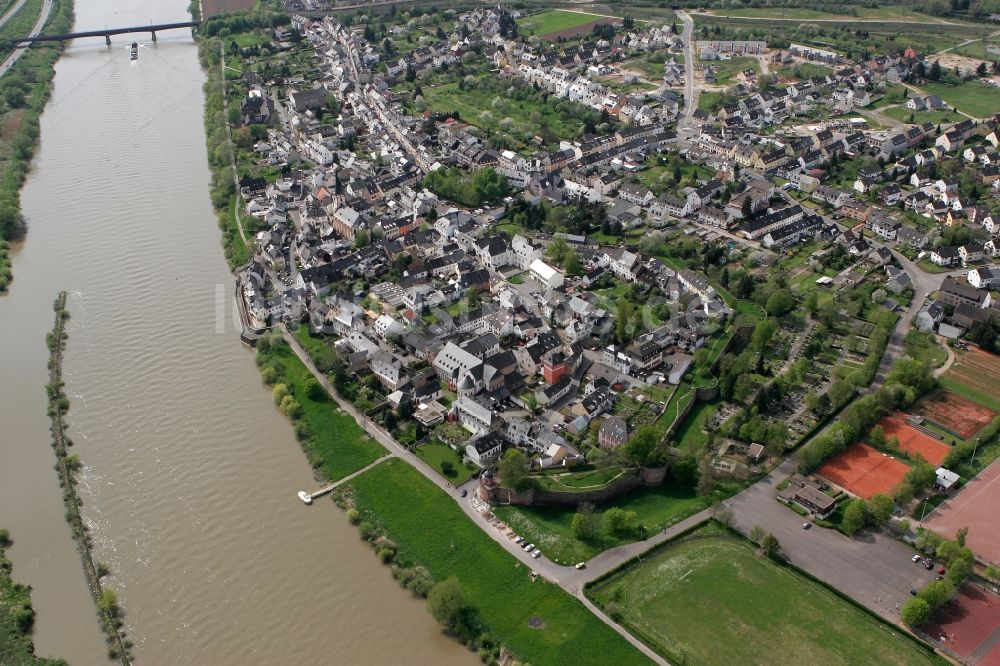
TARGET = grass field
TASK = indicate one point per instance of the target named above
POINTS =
(970, 97)
(689, 436)
(715, 601)
(658, 507)
(553, 21)
(980, 50)
(336, 439)
(924, 347)
(436, 453)
(902, 114)
(806, 70)
(726, 70)
(433, 531)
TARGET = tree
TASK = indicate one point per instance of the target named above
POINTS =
(746, 208)
(780, 303)
(993, 573)
(447, 603)
(757, 534)
(584, 525)
(572, 265)
(763, 333)
(981, 70)
(619, 522)
(771, 546)
(880, 509)
(108, 601)
(937, 593)
(961, 535)
(513, 469)
(645, 447)
(362, 238)
(915, 612)
(877, 437)
(855, 516)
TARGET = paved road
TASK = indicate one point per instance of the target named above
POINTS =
(9, 14)
(43, 18)
(924, 284)
(690, 91)
(873, 569)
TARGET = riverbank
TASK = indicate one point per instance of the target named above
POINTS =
(31, 79)
(67, 465)
(221, 159)
(17, 617)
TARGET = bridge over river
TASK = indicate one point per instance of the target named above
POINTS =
(107, 32)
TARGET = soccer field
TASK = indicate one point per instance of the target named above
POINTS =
(713, 600)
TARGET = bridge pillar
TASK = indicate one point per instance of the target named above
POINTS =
(153, 33)
(107, 39)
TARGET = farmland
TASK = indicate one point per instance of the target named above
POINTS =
(492, 109)
(712, 600)
(430, 529)
(975, 375)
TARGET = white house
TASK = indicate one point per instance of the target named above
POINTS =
(546, 274)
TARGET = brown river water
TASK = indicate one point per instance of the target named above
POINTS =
(190, 473)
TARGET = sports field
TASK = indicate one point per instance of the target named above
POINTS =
(863, 471)
(975, 507)
(710, 599)
(913, 442)
(969, 626)
(955, 413)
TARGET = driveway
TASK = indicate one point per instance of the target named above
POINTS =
(873, 569)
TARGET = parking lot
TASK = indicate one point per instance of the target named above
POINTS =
(873, 569)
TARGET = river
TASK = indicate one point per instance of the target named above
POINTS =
(189, 472)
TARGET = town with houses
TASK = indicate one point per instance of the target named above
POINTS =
(649, 247)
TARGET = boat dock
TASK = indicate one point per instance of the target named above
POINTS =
(308, 497)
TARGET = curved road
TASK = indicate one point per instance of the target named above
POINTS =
(43, 18)
(10, 12)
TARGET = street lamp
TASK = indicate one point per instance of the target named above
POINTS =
(972, 460)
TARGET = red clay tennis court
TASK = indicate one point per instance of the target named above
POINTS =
(863, 471)
(974, 506)
(956, 414)
(912, 441)
(969, 626)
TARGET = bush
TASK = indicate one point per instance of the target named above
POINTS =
(915, 612)
(354, 516)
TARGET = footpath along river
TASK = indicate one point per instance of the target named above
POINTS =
(190, 473)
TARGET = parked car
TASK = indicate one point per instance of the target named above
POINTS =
(916, 558)
(806, 526)
(913, 593)
(941, 571)
(928, 564)
(529, 547)
(536, 554)
(519, 540)
(581, 565)
(464, 492)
